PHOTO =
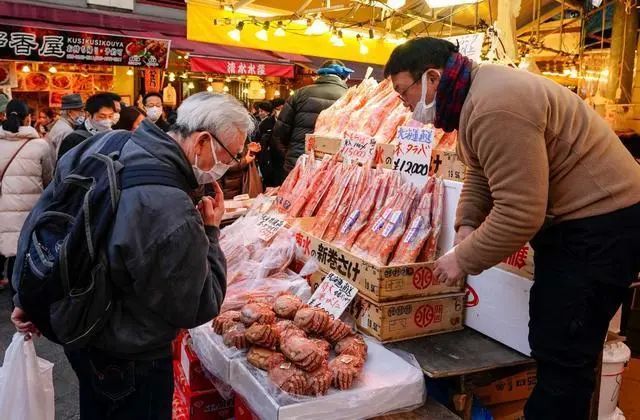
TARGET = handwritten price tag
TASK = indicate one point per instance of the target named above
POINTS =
(268, 226)
(412, 155)
(333, 295)
(358, 147)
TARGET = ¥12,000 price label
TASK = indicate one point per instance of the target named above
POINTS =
(412, 154)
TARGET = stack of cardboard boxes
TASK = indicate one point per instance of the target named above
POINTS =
(196, 396)
(505, 397)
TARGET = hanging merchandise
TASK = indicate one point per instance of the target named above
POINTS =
(169, 96)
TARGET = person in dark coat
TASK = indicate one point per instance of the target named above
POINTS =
(298, 117)
(153, 106)
(269, 161)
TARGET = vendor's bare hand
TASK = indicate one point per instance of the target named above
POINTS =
(463, 232)
(21, 322)
(448, 270)
(254, 147)
(212, 208)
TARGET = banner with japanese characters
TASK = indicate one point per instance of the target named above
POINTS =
(41, 44)
(239, 67)
(412, 154)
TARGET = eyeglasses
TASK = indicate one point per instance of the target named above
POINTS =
(405, 90)
(224, 147)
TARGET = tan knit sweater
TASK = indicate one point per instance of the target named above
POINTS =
(533, 148)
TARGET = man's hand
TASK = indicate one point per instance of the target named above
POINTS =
(212, 208)
(448, 270)
(249, 158)
(463, 232)
(254, 147)
(22, 323)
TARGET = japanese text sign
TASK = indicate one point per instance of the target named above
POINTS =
(412, 154)
(238, 67)
(40, 44)
(268, 226)
(469, 45)
(333, 295)
(358, 147)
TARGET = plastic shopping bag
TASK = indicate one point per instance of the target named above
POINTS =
(26, 383)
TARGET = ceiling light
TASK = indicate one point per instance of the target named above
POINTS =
(280, 31)
(263, 91)
(235, 34)
(53, 69)
(26, 69)
(225, 88)
(318, 27)
(396, 4)
(228, 8)
(209, 88)
(172, 77)
(291, 92)
(209, 79)
(364, 50)
(227, 79)
(276, 93)
(262, 35)
(336, 39)
(191, 85)
(186, 56)
(130, 72)
(436, 4)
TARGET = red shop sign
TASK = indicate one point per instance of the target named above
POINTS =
(239, 67)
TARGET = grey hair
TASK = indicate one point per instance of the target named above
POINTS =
(216, 113)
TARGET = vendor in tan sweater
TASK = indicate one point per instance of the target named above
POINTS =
(534, 152)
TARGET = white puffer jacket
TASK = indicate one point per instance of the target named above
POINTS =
(24, 180)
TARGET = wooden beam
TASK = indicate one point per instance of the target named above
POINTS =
(302, 7)
(571, 4)
(241, 3)
(543, 18)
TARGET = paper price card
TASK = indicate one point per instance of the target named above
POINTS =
(358, 147)
(268, 226)
(412, 154)
(333, 295)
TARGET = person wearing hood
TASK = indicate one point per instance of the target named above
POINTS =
(300, 112)
(159, 285)
(26, 167)
(153, 106)
(101, 110)
(544, 168)
(72, 116)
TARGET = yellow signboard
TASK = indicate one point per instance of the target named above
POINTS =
(209, 23)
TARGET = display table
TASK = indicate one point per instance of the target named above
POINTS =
(431, 410)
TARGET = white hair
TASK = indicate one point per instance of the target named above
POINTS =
(213, 112)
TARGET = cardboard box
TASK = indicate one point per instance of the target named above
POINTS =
(379, 283)
(202, 405)
(497, 305)
(508, 389)
(509, 411)
(324, 145)
(401, 320)
(242, 411)
(445, 163)
(520, 263)
(192, 368)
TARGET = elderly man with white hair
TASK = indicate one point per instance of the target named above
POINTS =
(166, 267)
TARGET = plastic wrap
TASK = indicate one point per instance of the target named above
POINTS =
(214, 356)
(388, 383)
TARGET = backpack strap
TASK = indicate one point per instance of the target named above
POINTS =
(136, 175)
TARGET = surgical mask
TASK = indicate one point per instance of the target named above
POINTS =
(102, 125)
(79, 120)
(116, 117)
(154, 113)
(423, 112)
(215, 173)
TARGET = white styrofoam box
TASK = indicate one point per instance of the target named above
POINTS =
(498, 306)
(214, 356)
(452, 190)
(388, 383)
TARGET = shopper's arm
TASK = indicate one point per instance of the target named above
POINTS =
(514, 159)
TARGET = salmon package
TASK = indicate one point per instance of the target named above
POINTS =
(430, 249)
(416, 235)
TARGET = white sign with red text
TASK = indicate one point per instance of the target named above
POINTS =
(412, 154)
(358, 147)
(333, 295)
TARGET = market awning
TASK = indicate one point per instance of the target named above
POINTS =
(240, 67)
(359, 69)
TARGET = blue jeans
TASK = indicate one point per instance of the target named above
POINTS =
(122, 389)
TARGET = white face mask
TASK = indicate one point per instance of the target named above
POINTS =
(102, 125)
(79, 120)
(116, 117)
(423, 112)
(215, 173)
(154, 113)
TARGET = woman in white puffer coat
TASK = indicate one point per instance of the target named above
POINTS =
(26, 168)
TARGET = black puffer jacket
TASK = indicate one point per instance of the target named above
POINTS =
(298, 117)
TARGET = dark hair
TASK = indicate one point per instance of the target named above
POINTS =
(49, 112)
(16, 111)
(99, 100)
(150, 95)
(265, 106)
(418, 55)
(112, 95)
(277, 102)
(128, 116)
(329, 63)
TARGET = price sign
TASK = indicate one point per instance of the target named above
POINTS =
(268, 226)
(470, 45)
(358, 147)
(333, 295)
(412, 154)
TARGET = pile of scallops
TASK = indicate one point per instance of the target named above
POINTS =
(293, 342)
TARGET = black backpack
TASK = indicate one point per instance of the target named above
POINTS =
(64, 284)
